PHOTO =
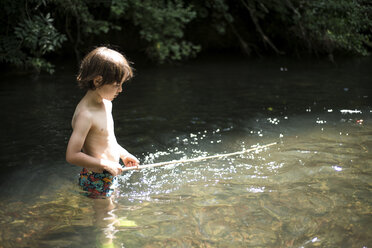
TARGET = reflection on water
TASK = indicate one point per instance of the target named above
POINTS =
(312, 189)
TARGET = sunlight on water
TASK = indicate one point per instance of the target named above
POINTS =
(288, 195)
(311, 189)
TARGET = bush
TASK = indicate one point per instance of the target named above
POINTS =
(342, 25)
(31, 29)
(161, 24)
(26, 42)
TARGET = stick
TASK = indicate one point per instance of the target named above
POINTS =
(195, 159)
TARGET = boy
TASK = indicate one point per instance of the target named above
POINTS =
(93, 144)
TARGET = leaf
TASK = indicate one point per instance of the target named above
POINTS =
(122, 222)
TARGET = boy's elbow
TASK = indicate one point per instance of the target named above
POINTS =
(69, 158)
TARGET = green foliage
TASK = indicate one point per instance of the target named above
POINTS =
(10, 52)
(323, 26)
(336, 25)
(161, 24)
(32, 38)
(79, 18)
(28, 33)
(218, 12)
(38, 36)
(118, 8)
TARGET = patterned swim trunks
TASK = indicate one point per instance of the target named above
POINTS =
(97, 185)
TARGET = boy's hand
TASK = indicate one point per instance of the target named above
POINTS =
(112, 167)
(129, 160)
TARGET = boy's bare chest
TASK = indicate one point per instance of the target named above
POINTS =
(103, 124)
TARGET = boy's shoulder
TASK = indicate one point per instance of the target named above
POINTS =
(82, 109)
(82, 113)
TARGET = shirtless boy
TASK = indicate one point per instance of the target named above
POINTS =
(93, 144)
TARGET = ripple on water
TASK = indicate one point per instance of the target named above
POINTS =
(310, 189)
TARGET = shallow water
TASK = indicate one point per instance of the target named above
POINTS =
(312, 189)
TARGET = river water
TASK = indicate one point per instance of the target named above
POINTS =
(312, 189)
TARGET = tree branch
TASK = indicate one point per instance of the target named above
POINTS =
(264, 37)
(244, 45)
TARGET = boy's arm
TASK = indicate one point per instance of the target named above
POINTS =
(74, 155)
(127, 158)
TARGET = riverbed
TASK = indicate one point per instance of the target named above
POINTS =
(311, 189)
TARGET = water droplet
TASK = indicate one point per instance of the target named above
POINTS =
(337, 168)
(314, 239)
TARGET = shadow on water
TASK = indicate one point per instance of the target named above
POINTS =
(311, 189)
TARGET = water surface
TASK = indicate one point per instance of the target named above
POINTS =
(313, 189)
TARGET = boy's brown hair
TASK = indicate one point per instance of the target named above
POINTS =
(107, 63)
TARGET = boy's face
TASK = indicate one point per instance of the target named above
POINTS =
(110, 91)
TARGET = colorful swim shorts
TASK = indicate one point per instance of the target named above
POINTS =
(97, 185)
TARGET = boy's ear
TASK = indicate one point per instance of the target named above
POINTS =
(97, 81)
